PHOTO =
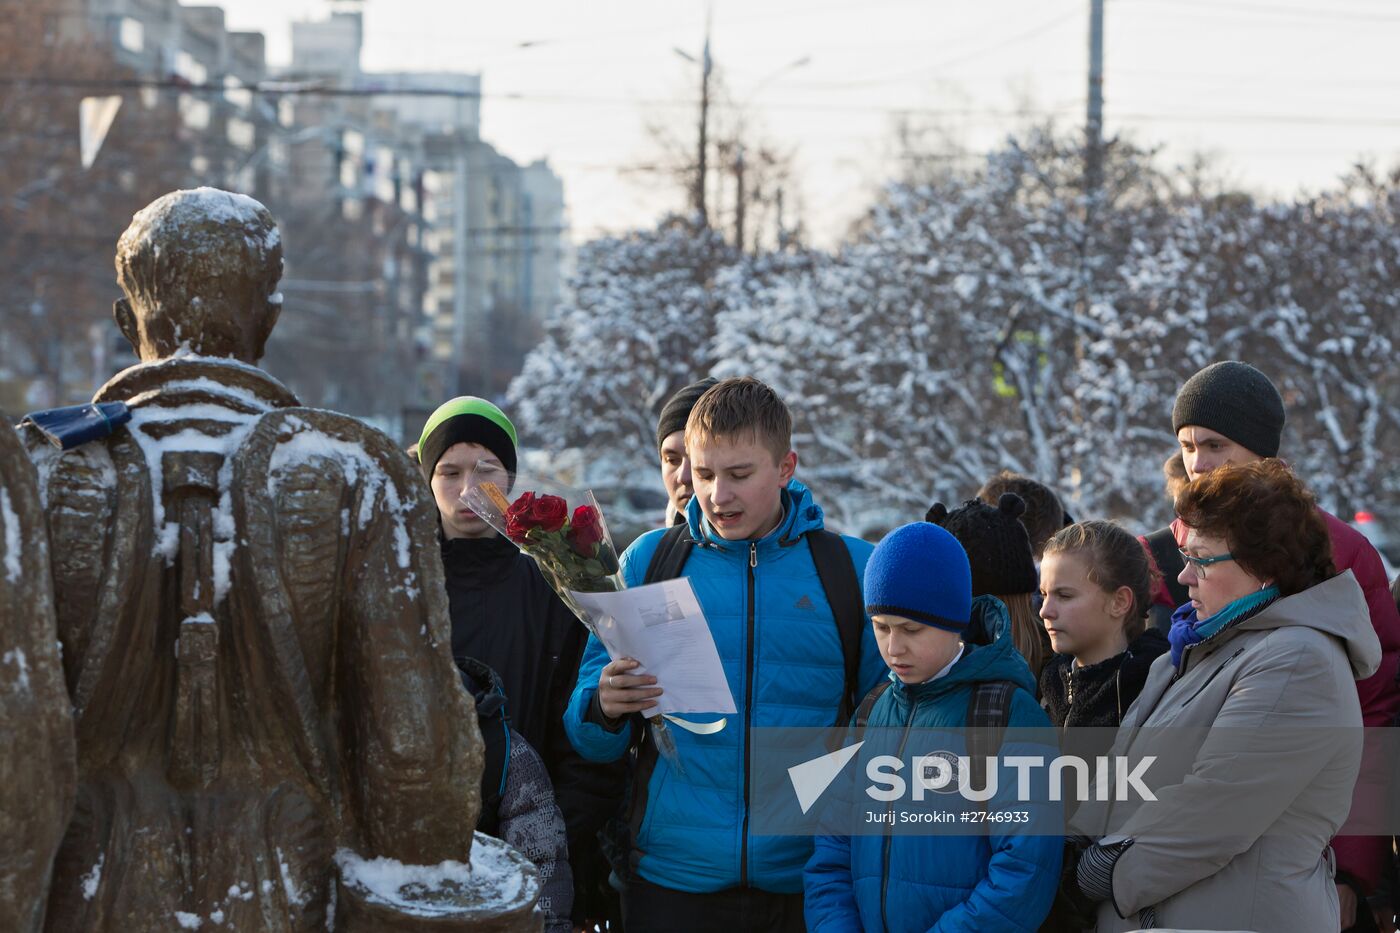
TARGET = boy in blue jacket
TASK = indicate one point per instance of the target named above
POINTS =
(939, 644)
(695, 865)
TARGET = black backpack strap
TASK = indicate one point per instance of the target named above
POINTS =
(672, 551)
(837, 573)
(862, 715)
(1163, 547)
(988, 714)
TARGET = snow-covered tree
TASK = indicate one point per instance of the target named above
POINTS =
(639, 327)
(998, 317)
(974, 324)
(1306, 291)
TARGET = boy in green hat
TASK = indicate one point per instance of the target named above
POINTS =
(505, 615)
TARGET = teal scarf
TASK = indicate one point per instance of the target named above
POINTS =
(1188, 630)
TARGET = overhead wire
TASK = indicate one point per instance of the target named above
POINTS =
(983, 113)
(1331, 15)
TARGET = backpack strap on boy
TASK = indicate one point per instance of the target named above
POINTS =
(1162, 544)
(862, 715)
(837, 573)
(988, 715)
(672, 551)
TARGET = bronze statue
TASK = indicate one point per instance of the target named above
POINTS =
(38, 770)
(255, 633)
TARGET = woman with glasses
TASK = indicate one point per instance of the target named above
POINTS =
(1254, 719)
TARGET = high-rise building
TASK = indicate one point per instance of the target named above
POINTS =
(491, 230)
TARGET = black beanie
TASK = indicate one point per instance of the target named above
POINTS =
(997, 544)
(1236, 400)
(676, 411)
(471, 420)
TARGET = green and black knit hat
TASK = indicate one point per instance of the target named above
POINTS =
(466, 419)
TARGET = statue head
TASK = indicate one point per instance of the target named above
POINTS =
(199, 270)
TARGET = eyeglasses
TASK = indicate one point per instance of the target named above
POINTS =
(1201, 563)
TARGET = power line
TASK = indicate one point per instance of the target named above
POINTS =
(980, 114)
(275, 89)
(1279, 119)
(964, 112)
(929, 70)
(1356, 16)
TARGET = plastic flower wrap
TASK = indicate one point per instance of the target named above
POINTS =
(564, 531)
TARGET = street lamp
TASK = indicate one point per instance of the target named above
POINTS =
(773, 76)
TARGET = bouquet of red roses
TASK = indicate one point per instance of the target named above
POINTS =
(572, 547)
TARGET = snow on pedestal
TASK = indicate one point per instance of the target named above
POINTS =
(499, 886)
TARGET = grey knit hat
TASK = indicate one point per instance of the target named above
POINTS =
(1236, 400)
(676, 411)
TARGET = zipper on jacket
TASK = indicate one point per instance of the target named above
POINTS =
(748, 720)
(1223, 665)
(889, 835)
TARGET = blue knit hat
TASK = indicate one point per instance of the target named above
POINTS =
(921, 572)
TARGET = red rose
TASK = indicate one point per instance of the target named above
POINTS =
(585, 530)
(547, 513)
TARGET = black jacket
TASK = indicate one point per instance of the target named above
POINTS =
(505, 615)
(1099, 695)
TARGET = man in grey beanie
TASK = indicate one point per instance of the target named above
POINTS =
(1231, 412)
(1227, 413)
(670, 443)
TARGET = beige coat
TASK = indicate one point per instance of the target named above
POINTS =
(1238, 837)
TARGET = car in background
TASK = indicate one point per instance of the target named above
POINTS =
(1387, 542)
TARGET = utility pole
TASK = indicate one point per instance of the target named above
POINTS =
(782, 232)
(706, 63)
(1093, 125)
(739, 195)
(1093, 183)
(701, 170)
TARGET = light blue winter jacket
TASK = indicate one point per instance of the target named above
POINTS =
(908, 883)
(781, 652)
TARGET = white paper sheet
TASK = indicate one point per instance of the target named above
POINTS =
(662, 626)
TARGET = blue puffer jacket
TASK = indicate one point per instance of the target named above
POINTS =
(781, 652)
(970, 884)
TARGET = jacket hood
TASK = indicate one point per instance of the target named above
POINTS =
(988, 654)
(801, 514)
(1337, 607)
(483, 683)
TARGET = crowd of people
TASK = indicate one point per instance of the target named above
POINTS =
(1255, 617)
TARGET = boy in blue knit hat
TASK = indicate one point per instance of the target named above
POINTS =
(940, 645)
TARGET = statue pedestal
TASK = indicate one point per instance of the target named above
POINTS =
(496, 893)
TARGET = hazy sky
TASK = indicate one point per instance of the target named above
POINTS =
(1287, 93)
